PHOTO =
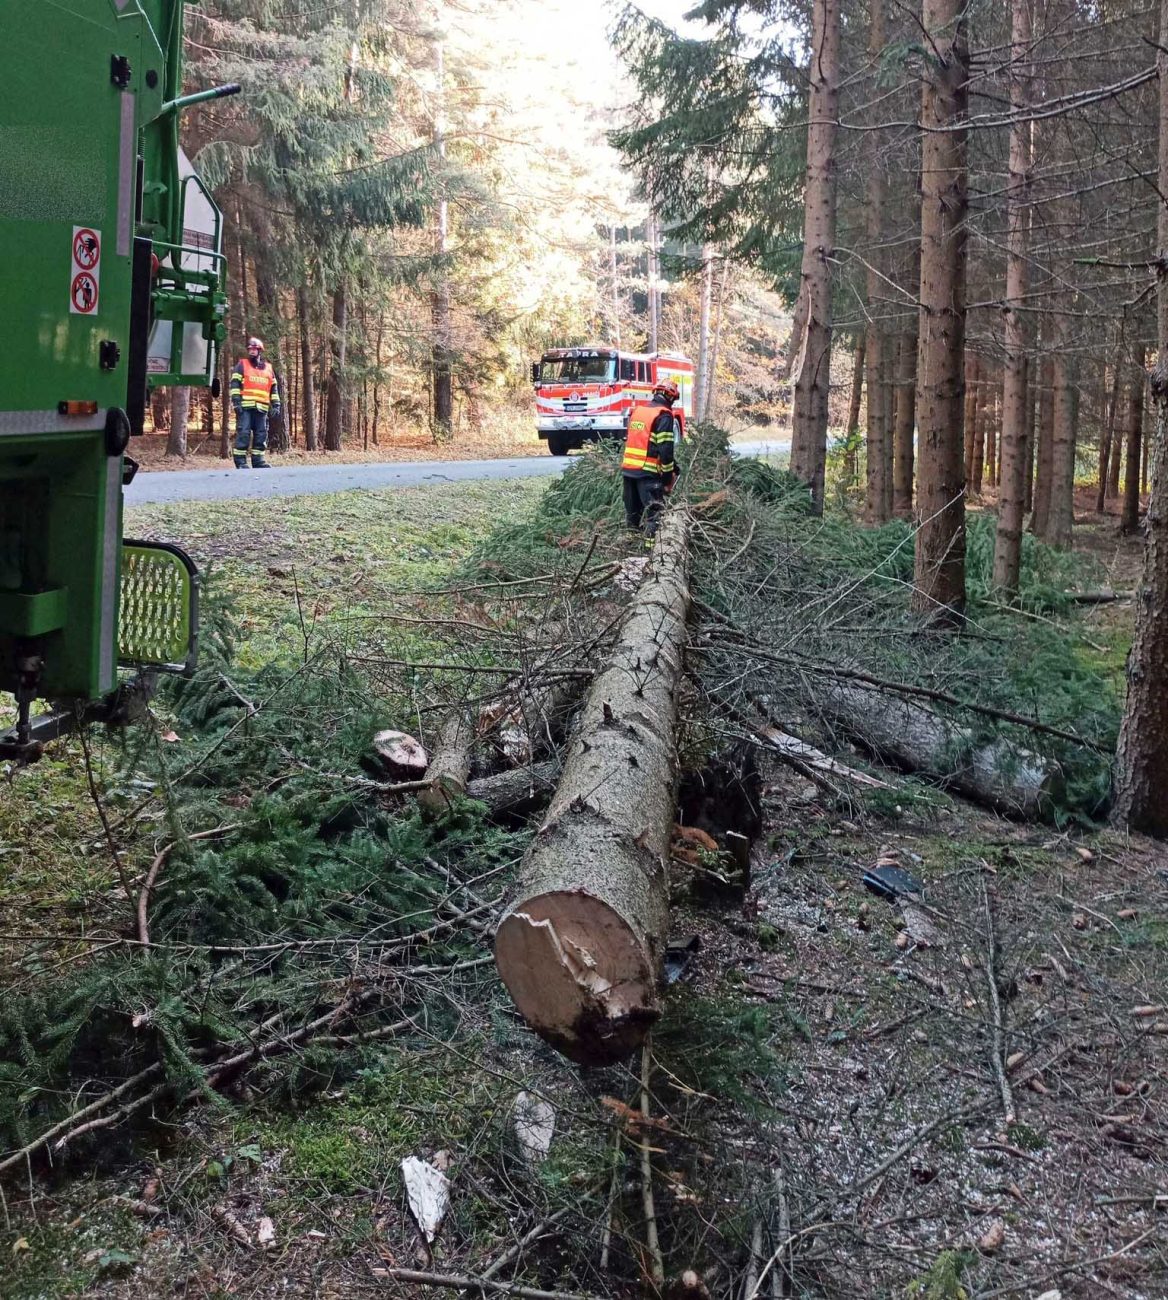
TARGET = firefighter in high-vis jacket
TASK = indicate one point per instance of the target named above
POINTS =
(254, 394)
(647, 464)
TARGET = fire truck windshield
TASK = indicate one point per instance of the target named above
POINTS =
(574, 370)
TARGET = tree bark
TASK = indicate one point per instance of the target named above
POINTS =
(1060, 517)
(654, 281)
(1015, 395)
(976, 467)
(581, 942)
(878, 438)
(516, 791)
(712, 395)
(879, 360)
(1043, 465)
(853, 429)
(1129, 520)
(997, 773)
(180, 410)
(337, 383)
(813, 381)
(904, 426)
(614, 286)
(939, 572)
(1106, 439)
(307, 382)
(993, 415)
(1028, 453)
(797, 342)
(701, 403)
(441, 360)
(1141, 775)
(449, 769)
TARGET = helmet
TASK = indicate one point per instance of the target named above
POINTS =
(668, 389)
(255, 345)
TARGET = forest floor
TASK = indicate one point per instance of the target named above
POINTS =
(968, 1099)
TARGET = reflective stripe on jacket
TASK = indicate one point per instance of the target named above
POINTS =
(649, 448)
(254, 387)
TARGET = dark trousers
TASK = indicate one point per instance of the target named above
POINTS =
(644, 502)
(251, 429)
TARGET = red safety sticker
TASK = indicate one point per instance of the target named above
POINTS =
(85, 271)
(83, 294)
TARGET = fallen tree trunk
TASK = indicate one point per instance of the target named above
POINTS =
(581, 941)
(449, 768)
(997, 773)
(516, 789)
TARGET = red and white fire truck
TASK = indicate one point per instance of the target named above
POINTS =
(584, 394)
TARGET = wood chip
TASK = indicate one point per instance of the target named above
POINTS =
(1146, 1012)
(1079, 920)
(1015, 1059)
(1036, 1085)
(1084, 853)
(1128, 914)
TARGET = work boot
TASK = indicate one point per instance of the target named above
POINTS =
(240, 462)
(258, 462)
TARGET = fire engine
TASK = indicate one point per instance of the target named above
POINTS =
(584, 394)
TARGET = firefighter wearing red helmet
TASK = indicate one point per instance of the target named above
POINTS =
(254, 392)
(647, 465)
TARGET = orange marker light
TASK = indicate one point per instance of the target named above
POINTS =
(76, 408)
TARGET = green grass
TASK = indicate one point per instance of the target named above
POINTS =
(304, 563)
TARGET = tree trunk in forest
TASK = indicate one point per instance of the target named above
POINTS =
(993, 415)
(449, 769)
(879, 443)
(701, 402)
(939, 571)
(581, 941)
(225, 412)
(797, 343)
(853, 429)
(337, 383)
(977, 442)
(712, 395)
(614, 285)
(1028, 451)
(996, 773)
(1141, 776)
(1129, 519)
(813, 381)
(180, 410)
(654, 279)
(904, 425)
(1105, 440)
(307, 381)
(969, 413)
(1060, 516)
(1043, 464)
(1015, 395)
(879, 360)
(441, 359)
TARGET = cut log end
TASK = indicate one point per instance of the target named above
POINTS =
(579, 976)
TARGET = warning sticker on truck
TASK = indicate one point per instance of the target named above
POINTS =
(85, 271)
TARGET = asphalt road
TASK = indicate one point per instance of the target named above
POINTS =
(165, 486)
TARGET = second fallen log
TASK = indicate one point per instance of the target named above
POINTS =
(581, 942)
(997, 773)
